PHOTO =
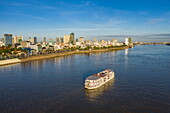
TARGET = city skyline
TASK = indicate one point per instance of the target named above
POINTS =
(91, 19)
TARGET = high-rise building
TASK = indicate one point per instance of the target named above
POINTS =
(13, 41)
(57, 40)
(61, 40)
(17, 39)
(77, 40)
(126, 41)
(33, 40)
(130, 41)
(66, 39)
(45, 39)
(72, 38)
(81, 39)
(8, 39)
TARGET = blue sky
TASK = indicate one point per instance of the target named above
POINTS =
(92, 18)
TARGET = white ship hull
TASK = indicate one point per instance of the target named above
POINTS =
(97, 80)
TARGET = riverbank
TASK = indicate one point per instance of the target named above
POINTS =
(52, 55)
(150, 43)
(9, 61)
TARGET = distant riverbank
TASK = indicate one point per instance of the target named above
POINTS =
(150, 43)
(51, 55)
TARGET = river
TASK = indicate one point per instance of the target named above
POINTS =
(141, 83)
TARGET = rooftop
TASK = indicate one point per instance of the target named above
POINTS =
(98, 75)
(93, 78)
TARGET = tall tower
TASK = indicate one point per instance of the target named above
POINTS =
(35, 40)
(61, 40)
(17, 39)
(77, 40)
(8, 39)
(57, 40)
(130, 40)
(45, 39)
(126, 41)
(72, 38)
(66, 39)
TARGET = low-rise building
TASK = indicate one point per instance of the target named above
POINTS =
(25, 44)
(1, 44)
(38, 47)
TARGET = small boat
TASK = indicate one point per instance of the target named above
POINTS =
(97, 80)
(168, 44)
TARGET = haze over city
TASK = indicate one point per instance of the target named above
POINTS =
(146, 20)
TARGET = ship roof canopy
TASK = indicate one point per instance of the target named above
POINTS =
(93, 78)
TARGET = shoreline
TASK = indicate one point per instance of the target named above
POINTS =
(151, 43)
(52, 55)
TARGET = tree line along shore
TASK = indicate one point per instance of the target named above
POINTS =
(52, 55)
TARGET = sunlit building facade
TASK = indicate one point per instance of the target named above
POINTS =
(17, 39)
(7, 39)
(81, 39)
(66, 39)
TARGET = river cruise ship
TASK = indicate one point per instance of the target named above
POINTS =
(96, 80)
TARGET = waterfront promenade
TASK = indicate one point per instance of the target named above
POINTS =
(9, 61)
(51, 55)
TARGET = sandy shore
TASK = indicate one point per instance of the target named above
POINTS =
(65, 54)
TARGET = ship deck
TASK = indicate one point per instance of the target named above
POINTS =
(98, 75)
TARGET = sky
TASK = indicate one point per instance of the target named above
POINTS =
(100, 19)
